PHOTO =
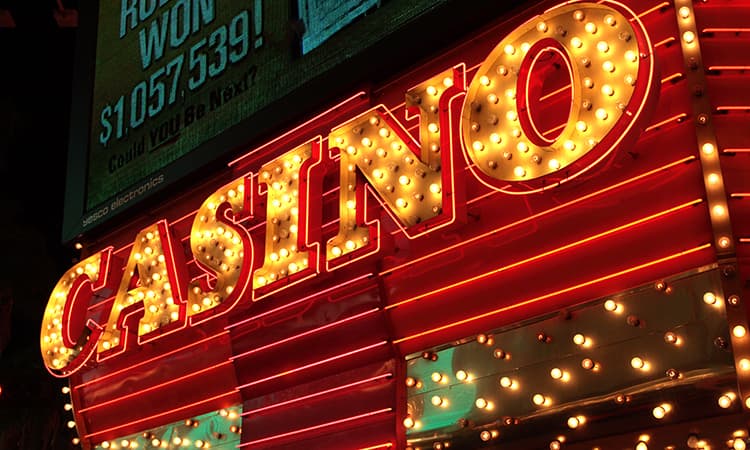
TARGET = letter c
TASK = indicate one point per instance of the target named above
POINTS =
(68, 338)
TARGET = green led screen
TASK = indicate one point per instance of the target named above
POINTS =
(171, 75)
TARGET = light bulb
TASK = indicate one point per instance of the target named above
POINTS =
(637, 362)
(688, 37)
(726, 400)
(739, 331)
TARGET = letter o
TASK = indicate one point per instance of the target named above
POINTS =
(609, 58)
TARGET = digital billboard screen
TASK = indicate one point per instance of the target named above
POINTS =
(168, 86)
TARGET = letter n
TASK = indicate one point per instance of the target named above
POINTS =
(413, 181)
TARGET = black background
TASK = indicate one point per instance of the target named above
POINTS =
(36, 66)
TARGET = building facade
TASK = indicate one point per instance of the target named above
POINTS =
(532, 236)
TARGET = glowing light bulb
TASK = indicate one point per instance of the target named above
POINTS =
(582, 340)
(684, 12)
(637, 362)
(553, 164)
(409, 422)
(432, 90)
(725, 401)
(477, 146)
(509, 50)
(575, 422)
(710, 298)
(744, 364)
(461, 375)
(590, 27)
(739, 331)
(708, 148)
(481, 403)
(576, 42)
(601, 114)
(688, 37)
(581, 126)
(661, 411)
(724, 242)
(602, 46)
(671, 338)
(519, 171)
(541, 26)
(608, 90)
(484, 80)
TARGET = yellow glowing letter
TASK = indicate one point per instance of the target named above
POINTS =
(413, 180)
(609, 59)
(223, 249)
(68, 339)
(152, 287)
(289, 254)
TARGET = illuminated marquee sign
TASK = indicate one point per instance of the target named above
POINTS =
(609, 60)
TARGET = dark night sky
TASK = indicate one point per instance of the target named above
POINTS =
(36, 65)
